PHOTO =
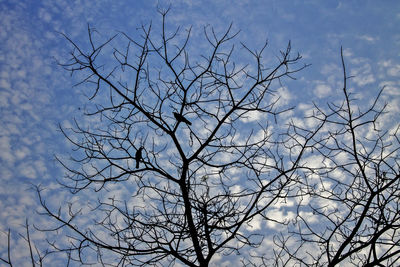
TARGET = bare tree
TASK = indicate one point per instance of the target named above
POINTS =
(352, 190)
(174, 130)
(36, 255)
(178, 134)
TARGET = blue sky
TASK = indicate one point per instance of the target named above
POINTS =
(36, 94)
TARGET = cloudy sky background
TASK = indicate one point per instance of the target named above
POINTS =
(36, 94)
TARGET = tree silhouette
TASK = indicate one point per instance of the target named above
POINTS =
(349, 213)
(175, 213)
(199, 190)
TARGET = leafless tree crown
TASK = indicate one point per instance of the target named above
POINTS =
(177, 132)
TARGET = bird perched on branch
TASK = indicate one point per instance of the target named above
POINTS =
(138, 156)
(180, 118)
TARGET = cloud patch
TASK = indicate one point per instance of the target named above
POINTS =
(322, 90)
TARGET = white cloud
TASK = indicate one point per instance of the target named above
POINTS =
(5, 150)
(22, 152)
(284, 96)
(251, 116)
(5, 84)
(394, 70)
(391, 88)
(367, 38)
(347, 53)
(314, 161)
(30, 90)
(280, 216)
(362, 73)
(391, 68)
(363, 80)
(309, 217)
(255, 224)
(27, 170)
(322, 90)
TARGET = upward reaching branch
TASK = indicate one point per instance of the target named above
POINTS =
(186, 167)
(354, 191)
(193, 210)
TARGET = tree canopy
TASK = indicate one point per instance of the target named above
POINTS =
(199, 143)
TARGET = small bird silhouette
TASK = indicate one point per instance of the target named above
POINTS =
(138, 156)
(180, 118)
